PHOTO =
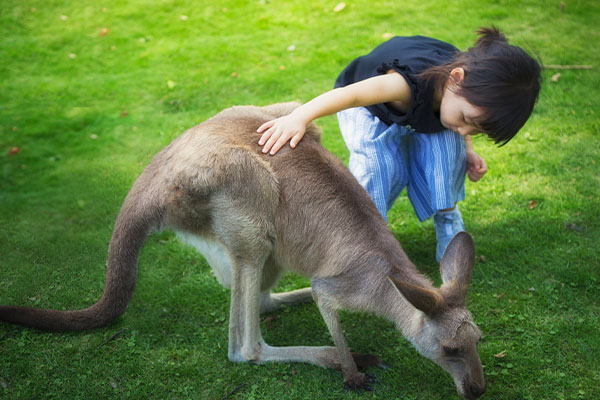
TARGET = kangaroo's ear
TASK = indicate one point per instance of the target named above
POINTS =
(456, 267)
(430, 301)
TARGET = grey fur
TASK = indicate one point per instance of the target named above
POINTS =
(253, 216)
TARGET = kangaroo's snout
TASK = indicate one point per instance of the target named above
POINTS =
(473, 390)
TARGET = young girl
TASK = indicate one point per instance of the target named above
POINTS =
(407, 111)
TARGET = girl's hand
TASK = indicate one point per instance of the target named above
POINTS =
(279, 131)
(476, 166)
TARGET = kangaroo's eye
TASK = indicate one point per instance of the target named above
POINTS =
(450, 351)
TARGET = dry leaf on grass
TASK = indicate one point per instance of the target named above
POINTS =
(103, 32)
(555, 77)
(339, 7)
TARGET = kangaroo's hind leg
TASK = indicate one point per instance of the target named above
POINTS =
(245, 338)
(242, 219)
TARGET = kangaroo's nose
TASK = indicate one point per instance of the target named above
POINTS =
(477, 391)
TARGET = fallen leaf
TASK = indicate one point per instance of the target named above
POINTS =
(282, 67)
(532, 204)
(124, 113)
(501, 295)
(501, 354)
(563, 6)
(14, 151)
(234, 74)
(555, 77)
(104, 32)
(339, 7)
(482, 258)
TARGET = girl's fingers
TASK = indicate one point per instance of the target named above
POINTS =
(272, 140)
(296, 139)
(267, 135)
(265, 126)
(279, 144)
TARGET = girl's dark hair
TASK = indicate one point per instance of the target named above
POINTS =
(502, 80)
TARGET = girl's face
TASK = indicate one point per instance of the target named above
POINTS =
(456, 113)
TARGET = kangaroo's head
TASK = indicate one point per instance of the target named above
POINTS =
(445, 331)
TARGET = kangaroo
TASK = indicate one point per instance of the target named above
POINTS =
(253, 216)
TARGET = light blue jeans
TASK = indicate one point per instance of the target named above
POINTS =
(385, 159)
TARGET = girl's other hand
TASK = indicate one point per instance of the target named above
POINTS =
(278, 132)
(476, 166)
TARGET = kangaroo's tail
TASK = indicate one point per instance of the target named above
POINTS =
(139, 216)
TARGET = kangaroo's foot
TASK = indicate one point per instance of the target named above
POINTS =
(358, 382)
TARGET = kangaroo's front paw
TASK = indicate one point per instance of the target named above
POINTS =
(358, 382)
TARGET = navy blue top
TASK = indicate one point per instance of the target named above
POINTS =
(408, 56)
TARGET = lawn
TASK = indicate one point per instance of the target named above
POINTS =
(89, 91)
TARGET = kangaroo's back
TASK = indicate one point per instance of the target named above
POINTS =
(320, 213)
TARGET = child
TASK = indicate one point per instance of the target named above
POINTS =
(407, 111)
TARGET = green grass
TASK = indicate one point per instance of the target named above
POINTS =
(87, 112)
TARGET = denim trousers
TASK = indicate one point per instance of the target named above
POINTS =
(387, 158)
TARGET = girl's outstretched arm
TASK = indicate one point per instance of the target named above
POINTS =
(379, 89)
